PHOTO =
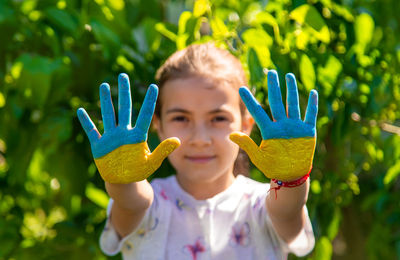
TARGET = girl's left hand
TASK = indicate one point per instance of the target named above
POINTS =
(287, 149)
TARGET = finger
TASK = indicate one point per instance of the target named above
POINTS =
(255, 109)
(275, 96)
(292, 101)
(245, 143)
(146, 111)
(88, 125)
(124, 101)
(107, 108)
(312, 108)
(163, 150)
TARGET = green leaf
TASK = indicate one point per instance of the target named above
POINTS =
(307, 14)
(218, 27)
(392, 174)
(162, 28)
(6, 13)
(323, 249)
(62, 19)
(266, 18)
(334, 225)
(188, 29)
(34, 79)
(97, 196)
(328, 75)
(107, 37)
(307, 72)
(257, 75)
(315, 187)
(183, 19)
(146, 38)
(200, 7)
(260, 41)
(364, 27)
(56, 128)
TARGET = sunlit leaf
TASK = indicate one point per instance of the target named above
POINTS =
(392, 173)
(260, 41)
(323, 249)
(307, 14)
(116, 4)
(161, 28)
(28, 6)
(97, 196)
(183, 19)
(200, 7)
(307, 72)
(219, 28)
(328, 74)
(315, 187)
(364, 29)
(2, 100)
(334, 225)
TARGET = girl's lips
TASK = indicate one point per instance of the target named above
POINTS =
(200, 159)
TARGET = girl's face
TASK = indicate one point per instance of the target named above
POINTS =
(202, 114)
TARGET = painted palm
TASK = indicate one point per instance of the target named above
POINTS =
(121, 154)
(287, 149)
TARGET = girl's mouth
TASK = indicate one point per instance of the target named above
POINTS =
(200, 159)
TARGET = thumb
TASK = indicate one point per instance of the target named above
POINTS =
(163, 150)
(245, 142)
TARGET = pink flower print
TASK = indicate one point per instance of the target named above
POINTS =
(152, 225)
(247, 196)
(163, 195)
(195, 249)
(240, 235)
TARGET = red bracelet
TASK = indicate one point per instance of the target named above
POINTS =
(289, 184)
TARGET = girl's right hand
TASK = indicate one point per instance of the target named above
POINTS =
(121, 154)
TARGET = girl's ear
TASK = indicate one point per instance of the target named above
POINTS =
(247, 123)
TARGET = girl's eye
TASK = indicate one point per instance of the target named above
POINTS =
(179, 119)
(219, 119)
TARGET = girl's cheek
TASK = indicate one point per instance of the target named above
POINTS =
(179, 132)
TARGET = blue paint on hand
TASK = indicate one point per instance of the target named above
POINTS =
(285, 125)
(121, 133)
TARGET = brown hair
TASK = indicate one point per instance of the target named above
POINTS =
(206, 60)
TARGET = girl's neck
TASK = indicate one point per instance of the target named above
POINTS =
(208, 188)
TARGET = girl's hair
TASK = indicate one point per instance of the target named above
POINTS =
(206, 60)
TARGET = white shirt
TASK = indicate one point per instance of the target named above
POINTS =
(233, 224)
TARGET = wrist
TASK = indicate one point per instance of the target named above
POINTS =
(289, 184)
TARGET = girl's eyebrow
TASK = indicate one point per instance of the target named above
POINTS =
(177, 110)
(181, 110)
(218, 110)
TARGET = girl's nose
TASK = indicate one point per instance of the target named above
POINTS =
(200, 136)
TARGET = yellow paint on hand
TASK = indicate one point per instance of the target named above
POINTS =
(134, 162)
(281, 159)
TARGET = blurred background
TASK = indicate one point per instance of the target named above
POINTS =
(55, 54)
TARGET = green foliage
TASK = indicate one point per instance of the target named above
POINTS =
(54, 55)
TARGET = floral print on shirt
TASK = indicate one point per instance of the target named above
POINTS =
(240, 235)
(195, 249)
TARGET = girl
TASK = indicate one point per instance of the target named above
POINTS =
(205, 211)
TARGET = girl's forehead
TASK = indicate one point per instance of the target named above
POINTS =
(199, 93)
